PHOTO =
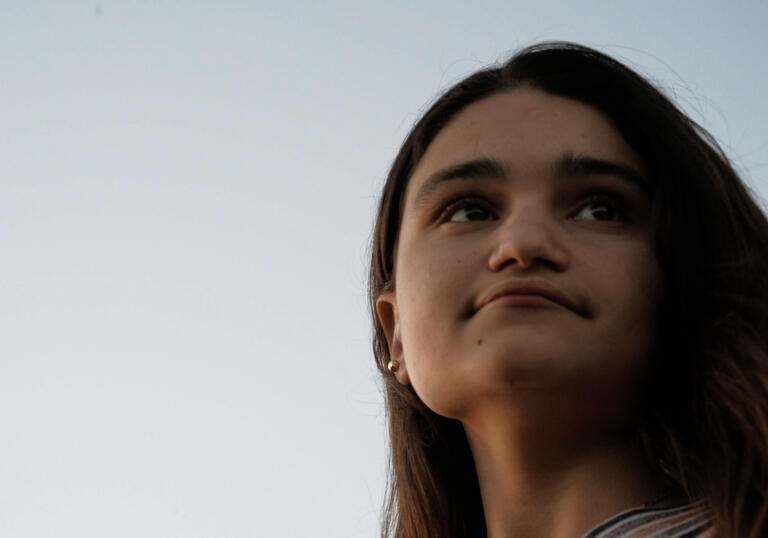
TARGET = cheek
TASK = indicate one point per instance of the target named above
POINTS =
(627, 302)
(434, 277)
(625, 277)
(643, 284)
(434, 286)
(617, 349)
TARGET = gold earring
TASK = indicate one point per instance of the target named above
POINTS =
(393, 366)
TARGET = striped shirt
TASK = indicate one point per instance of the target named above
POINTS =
(687, 521)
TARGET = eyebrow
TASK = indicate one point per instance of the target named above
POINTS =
(569, 165)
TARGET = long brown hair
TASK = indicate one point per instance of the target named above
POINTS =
(706, 427)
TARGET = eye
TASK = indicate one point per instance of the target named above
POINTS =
(602, 208)
(467, 210)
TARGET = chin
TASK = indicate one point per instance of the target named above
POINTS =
(452, 396)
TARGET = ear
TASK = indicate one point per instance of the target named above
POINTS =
(386, 310)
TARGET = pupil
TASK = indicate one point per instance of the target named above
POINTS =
(603, 212)
(475, 212)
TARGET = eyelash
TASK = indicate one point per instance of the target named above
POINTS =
(462, 203)
(615, 202)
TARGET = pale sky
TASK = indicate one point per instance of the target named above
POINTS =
(188, 192)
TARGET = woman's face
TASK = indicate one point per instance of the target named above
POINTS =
(539, 199)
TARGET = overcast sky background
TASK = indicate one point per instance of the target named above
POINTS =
(187, 197)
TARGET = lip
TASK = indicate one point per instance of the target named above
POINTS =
(529, 288)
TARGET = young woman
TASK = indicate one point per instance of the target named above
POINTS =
(569, 290)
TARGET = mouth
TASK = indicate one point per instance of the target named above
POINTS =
(529, 293)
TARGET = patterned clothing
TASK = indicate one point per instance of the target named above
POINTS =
(687, 521)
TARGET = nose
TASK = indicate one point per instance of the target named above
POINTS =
(528, 239)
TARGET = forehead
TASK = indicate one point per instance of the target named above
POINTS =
(525, 130)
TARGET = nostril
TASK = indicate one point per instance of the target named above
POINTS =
(528, 246)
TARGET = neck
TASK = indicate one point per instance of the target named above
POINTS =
(557, 478)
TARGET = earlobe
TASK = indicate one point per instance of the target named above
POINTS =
(386, 310)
